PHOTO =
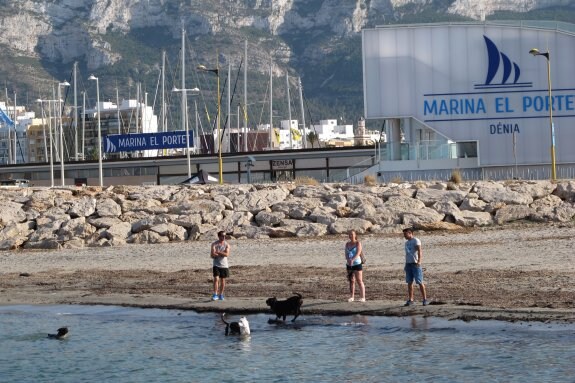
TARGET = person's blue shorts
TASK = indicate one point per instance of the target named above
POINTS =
(413, 273)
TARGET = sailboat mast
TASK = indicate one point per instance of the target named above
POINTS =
(245, 95)
(304, 144)
(76, 111)
(164, 125)
(289, 112)
(271, 105)
(228, 120)
(83, 124)
(118, 110)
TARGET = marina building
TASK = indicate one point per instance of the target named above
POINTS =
(492, 99)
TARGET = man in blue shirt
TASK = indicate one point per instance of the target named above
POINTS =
(413, 270)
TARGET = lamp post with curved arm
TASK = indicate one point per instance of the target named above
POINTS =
(217, 73)
(100, 172)
(536, 52)
(194, 92)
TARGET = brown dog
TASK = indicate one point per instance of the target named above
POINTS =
(290, 306)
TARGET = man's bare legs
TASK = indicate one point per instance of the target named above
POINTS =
(421, 290)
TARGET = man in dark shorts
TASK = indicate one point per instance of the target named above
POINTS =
(220, 253)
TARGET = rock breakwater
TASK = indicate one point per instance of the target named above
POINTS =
(43, 218)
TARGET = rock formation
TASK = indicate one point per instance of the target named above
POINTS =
(43, 218)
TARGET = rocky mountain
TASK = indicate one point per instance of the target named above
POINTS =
(320, 40)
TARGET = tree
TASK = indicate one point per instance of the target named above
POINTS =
(312, 137)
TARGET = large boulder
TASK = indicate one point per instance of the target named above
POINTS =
(161, 193)
(118, 233)
(344, 225)
(104, 222)
(107, 207)
(259, 200)
(512, 213)
(566, 191)
(76, 228)
(536, 189)
(472, 203)
(357, 200)
(425, 215)
(233, 219)
(297, 208)
(46, 231)
(171, 231)
(15, 230)
(430, 196)
(147, 236)
(82, 207)
(188, 220)
(268, 218)
(472, 218)
(311, 229)
(498, 193)
(210, 211)
(324, 215)
(11, 212)
(550, 201)
(148, 205)
(403, 204)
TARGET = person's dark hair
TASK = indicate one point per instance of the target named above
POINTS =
(221, 233)
(408, 230)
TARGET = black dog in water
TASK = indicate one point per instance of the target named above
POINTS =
(62, 333)
(290, 306)
(242, 327)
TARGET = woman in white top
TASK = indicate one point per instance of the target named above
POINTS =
(354, 267)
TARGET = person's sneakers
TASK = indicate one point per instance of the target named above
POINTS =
(215, 297)
(350, 299)
(361, 300)
(222, 297)
(425, 302)
(409, 303)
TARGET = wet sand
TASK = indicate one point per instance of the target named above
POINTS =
(522, 272)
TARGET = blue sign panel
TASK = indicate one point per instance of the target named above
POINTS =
(147, 141)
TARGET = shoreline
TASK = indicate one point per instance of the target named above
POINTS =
(513, 273)
(256, 305)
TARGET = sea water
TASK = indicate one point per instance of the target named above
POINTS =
(116, 344)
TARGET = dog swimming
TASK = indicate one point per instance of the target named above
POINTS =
(61, 334)
(241, 327)
(290, 306)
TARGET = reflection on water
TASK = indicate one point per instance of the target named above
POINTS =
(137, 345)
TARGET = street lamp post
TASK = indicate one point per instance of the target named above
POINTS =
(51, 156)
(217, 73)
(100, 173)
(536, 52)
(194, 92)
(60, 85)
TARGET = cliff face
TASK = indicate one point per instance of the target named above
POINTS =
(66, 30)
(317, 39)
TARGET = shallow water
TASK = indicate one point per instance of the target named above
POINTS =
(116, 344)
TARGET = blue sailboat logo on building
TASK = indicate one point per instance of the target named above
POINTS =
(499, 59)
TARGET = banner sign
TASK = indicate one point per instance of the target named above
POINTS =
(147, 141)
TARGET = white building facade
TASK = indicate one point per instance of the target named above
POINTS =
(475, 82)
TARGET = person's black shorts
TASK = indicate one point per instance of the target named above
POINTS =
(222, 272)
(351, 269)
(354, 268)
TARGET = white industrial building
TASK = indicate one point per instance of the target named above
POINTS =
(473, 96)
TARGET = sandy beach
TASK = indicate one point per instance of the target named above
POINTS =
(521, 272)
